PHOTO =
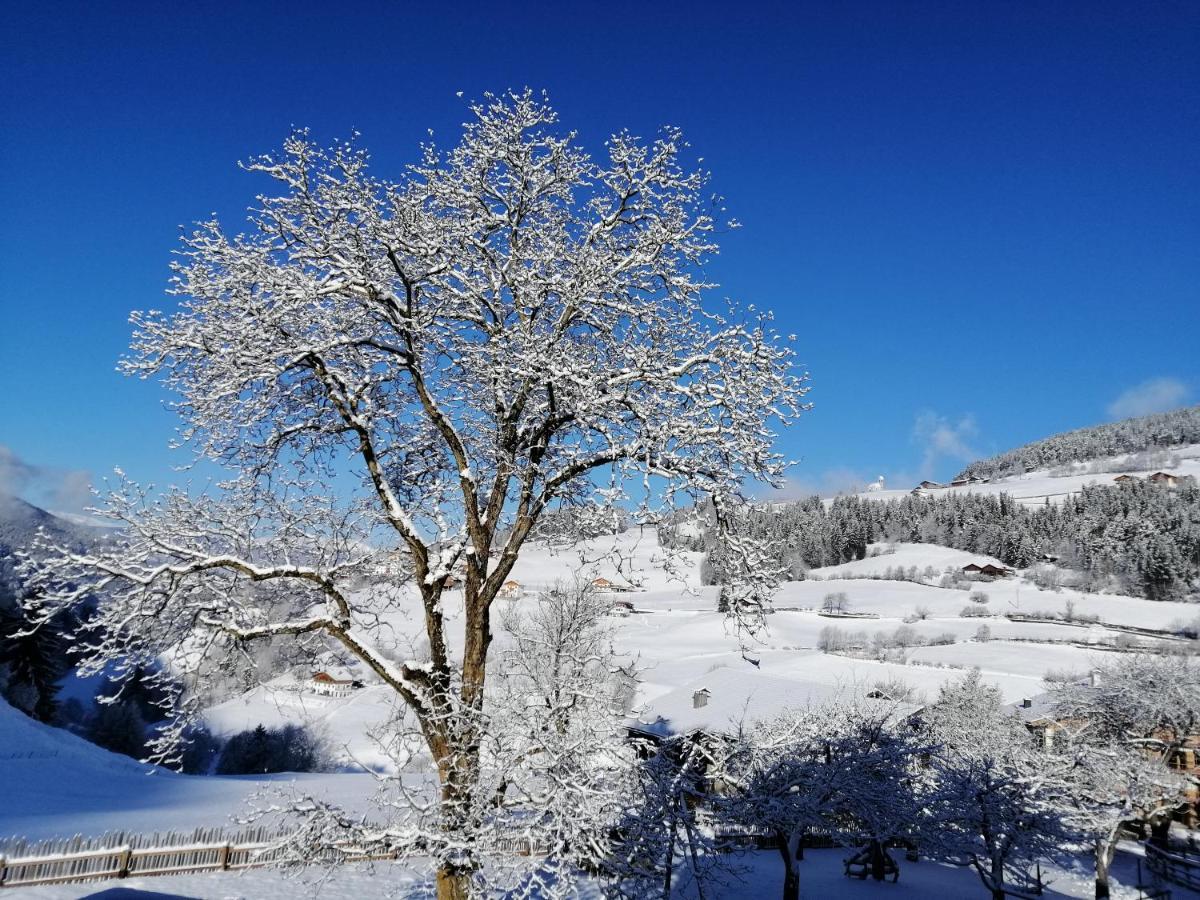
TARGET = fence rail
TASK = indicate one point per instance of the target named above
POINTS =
(121, 854)
(1180, 868)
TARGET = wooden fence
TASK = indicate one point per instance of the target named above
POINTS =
(1179, 867)
(120, 854)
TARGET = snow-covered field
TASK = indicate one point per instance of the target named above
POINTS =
(57, 784)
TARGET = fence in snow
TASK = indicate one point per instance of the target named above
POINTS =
(121, 854)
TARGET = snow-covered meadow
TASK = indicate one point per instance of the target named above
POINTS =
(677, 639)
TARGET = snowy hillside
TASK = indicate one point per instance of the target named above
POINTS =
(679, 641)
(20, 523)
(1151, 435)
(1055, 483)
(57, 784)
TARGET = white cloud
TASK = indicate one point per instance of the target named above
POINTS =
(1153, 396)
(941, 439)
(15, 473)
(59, 490)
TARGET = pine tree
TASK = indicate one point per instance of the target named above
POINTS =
(34, 660)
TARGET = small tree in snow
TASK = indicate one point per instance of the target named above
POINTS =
(510, 329)
(999, 803)
(835, 766)
(835, 602)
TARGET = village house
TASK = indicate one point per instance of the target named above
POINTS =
(511, 590)
(707, 713)
(331, 686)
(1164, 479)
(1126, 479)
(1040, 717)
(606, 586)
(622, 608)
(987, 570)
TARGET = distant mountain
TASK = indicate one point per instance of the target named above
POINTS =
(19, 525)
(1159, 431)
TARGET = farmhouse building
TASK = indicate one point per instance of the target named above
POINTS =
(329, 686)
(511, 590)
(609, 587)
(987, 570)
(1165, 479)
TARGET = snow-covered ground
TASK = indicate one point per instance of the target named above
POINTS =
(760, 875)
(58, 785)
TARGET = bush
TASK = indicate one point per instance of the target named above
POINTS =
(983, 634)
(942, 640)
(831, 639)
(978, 597)
(974, 612)
(263, 751)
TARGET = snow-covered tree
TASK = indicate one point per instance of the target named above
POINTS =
(1124, 724)
(663, 839)
(511, 328)
(555, 748)
(1111, 784)
(837, 767)
(999, 801)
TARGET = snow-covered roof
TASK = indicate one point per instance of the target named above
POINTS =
(334, 676)
(1040, 707)
(742, 698)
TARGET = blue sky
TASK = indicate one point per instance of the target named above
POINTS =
(981, 220)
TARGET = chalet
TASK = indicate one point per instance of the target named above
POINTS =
(1165, 479)
(930, 485)
(1126, 479)
(511, 590)
(609, 587)
(622, 608)
(987, 570)
(330, 686)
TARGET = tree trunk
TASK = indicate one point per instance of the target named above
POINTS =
(1160, 828)
(878, 868)
(453, 883)
(791, 878)
(1104, 855)
(998, 875)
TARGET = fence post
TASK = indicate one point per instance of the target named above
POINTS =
(3, 870)
(224, 857)
(126, 859)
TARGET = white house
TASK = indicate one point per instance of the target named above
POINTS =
(330, 686)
